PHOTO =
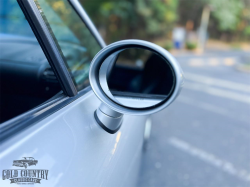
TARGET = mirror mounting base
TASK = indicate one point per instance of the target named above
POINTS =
(108, 119)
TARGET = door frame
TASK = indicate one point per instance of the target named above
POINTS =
(69, 93)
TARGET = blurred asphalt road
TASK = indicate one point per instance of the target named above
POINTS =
(203, 138)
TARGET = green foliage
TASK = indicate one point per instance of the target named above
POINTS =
(168, 45)
(232, 18)
(151, 19)
(157, 16)
(191, 45)
(227, 13)
(247, 31)
(229, 19)
(142, 19)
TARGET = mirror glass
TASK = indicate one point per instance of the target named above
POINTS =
(136, 78)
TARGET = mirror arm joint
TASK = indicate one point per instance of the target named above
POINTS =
(108, 119)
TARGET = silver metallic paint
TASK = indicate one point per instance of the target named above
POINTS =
(74, 148)
(114, 47)
(76, 151)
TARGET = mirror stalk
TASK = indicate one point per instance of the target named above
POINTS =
(108, 119)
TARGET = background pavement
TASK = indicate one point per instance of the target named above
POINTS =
(203, 138)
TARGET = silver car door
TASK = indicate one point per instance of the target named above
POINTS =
(71, 149)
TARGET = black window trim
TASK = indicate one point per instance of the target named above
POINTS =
(48, 46)
(69, 94)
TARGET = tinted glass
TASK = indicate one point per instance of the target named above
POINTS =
(12, 20)
(75, 42)
(140, 75)
(26, 78)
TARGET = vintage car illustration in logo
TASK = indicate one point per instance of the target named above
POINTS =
(25, 162)
(25, 176)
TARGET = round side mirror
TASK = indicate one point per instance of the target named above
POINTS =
(133, 77)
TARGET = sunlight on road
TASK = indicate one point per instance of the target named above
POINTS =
(217, 82)
(211, 159)
(210, 86)
(203, 138)
(198, 62)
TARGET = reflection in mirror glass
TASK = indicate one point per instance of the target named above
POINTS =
(136, 78)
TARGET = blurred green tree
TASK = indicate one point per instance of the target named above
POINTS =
(227, 13)
(230, 19)
(152, 19)
(141, 19)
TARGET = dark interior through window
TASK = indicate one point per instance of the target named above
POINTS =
(26, 78)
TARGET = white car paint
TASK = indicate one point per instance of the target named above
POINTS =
(76, 150)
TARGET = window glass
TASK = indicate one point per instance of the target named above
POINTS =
(75, 42)
(26, 78)
(12, 20)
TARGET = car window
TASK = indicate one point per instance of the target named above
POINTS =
(75, 42)
(12, 20)
(26, 78)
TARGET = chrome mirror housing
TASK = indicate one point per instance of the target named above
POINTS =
(133, 77)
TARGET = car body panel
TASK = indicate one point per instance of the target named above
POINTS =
(76, 150)
(63, 136)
